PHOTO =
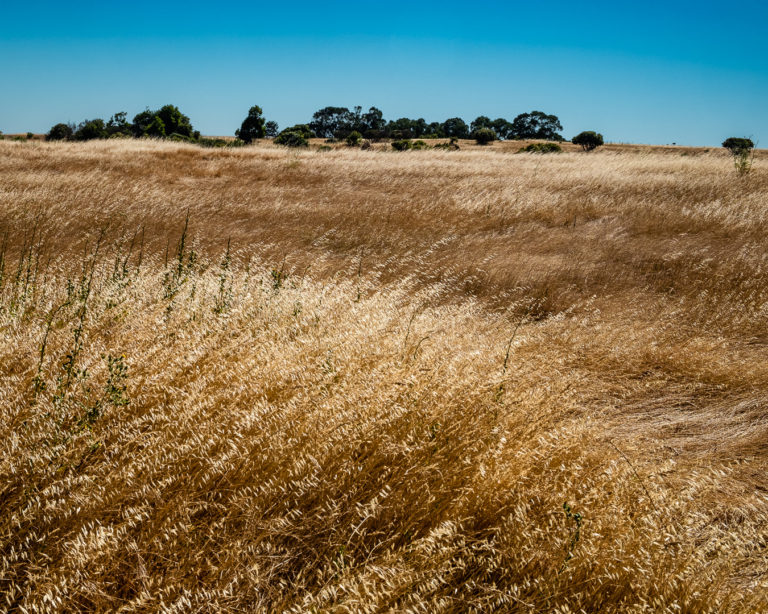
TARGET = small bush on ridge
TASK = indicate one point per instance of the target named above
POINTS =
(588, 140)
(541, 148)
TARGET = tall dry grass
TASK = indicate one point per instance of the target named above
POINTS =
(421, 382)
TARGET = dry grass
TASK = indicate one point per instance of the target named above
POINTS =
(383, 396)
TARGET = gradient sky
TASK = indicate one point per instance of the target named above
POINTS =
(642, 72)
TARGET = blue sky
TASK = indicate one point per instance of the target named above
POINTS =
(644, 72)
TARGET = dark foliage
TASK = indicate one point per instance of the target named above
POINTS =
(485, 135)
(253, 126)
(118, 125)
(91, 129)
(60, 132)
(354, 138)
(293, 138)
(589, 140)
(456, 127)
(541, 148)
(271, 129)
(737, 145)
(536, 125)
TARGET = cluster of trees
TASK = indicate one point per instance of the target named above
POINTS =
(331, 123)
(166, 122)
(339, 122)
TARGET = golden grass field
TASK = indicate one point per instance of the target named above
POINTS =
(428, 381)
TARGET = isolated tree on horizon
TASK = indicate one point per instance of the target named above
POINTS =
(742, 150)
(253, 126)
(589, 140)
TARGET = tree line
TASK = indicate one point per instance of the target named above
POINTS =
(330, 123)
(339, 123)
(166, 122)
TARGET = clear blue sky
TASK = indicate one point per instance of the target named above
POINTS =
(646, 72)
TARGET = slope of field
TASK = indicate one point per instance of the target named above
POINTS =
(359, 381)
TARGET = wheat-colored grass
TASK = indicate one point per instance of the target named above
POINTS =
(419, 382)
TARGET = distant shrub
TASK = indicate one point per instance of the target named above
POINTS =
(743, 151)
(541, 148)
(483, 136)
(451, 145)
(402, 145)
(209, 142)
(588, 140)
(736, 144)
(366, 145)
(325, 148)
(353, 138)
(303, 129)
(180, 138)
(420, 145)
(289, 138)
(60, 132)
(30, 135)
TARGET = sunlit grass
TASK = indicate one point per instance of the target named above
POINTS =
(371, 381)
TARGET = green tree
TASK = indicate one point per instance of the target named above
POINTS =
(156, 128)
(480, 122)
(737, 144)
(742, 150)
(501, 127)
(455, 126)
(166, 121)
(589, 140)
(435, 130)
(118, 125)
(253, 126)
(405, 128)
(332, 122)
(373, 124)
(141, 122)
(536, 125)
(174, 121)
(91, 129)
(60, 132)
(271, 129)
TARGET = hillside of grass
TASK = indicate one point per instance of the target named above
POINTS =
(270, 380)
